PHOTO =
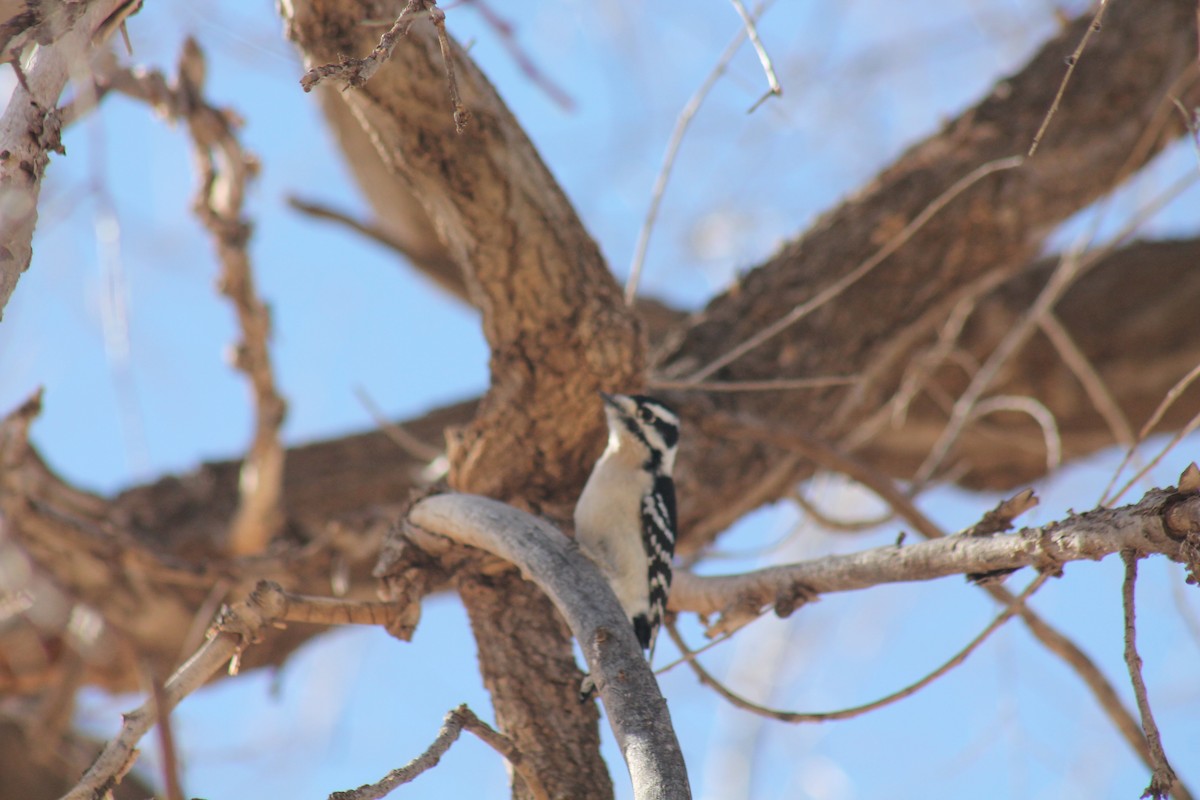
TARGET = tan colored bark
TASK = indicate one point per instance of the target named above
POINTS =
(528, 668)
(558, 332)
(343, 478)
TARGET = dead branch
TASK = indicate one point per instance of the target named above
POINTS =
(1072, 62)
(635, 708)
(357, 71)
(456, 721)
(1092, 536)
(1053, 640)
(88, 544)
(1163, 779)
(30, 126)
(226, 169)
(236, 629)
(680, 129)
(773, 87)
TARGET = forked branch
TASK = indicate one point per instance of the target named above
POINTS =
(236, 628)
(457, 720)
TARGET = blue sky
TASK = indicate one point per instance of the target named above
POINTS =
(128, 339)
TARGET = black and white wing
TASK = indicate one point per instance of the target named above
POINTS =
(658, 537)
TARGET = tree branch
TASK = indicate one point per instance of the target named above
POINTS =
(226, 170)
(552, 313)
(238, 627)
(456, 720)
(636, 710)
(1146, 527)
(1163, 780)
(1108, 124)
(30, 127)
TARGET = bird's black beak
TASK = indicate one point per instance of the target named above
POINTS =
(609, 400)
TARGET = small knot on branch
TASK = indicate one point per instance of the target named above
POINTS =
(1181, 510)
(792, 597)
(1000, 518)
(736, 615)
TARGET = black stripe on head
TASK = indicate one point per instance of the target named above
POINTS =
(660, 415)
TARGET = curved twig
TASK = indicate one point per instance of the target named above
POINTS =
(847, 713)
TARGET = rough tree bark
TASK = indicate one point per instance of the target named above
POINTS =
(558, 331)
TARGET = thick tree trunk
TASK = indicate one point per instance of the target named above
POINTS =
(528, 666)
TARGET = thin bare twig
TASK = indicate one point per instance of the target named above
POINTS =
(457, 720)
(1191, 120)
(375, 233)
(204, 616)
(858, 273)
(1178, 436)
(445, 275)
(461, 115)
(830, 523)
(1073, 265)
(774, 89)
(1168, 400)
(357, 71)
(1072, 60)
(1037, 411)
(1097, 391)
(691, 655)
(682, 122)
(166, 739)
(1102, 690)
(402, 438)
(508, 38)
(1163, 777)
(854, 711)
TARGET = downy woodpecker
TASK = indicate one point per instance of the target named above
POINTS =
(625, 517)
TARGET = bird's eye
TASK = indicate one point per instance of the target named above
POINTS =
(645, 415)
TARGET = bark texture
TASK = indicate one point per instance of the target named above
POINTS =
(557, 330)
(484, 209)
